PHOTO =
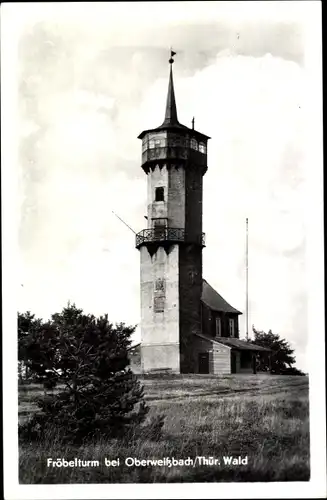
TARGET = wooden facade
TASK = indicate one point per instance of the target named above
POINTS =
(219, 355)
(219, 337)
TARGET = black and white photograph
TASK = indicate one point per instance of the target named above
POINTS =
(162, 213)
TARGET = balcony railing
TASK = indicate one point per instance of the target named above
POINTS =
(169, 235)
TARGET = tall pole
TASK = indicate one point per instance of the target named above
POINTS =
(129, 227)
(247, 278)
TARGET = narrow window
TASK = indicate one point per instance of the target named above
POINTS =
(160, 194)
(194, 144)
(231, 327)
(202, 147)
(218, 327)
(151, 144)
(178, 141)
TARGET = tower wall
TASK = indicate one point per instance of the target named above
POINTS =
(160, 308)
(193, 201)
(190, 270)
(167, 335)
(190, 290)
(176, 196)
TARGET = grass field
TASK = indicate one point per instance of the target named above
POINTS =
(262, 417)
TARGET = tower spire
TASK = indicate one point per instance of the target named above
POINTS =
(171, 110)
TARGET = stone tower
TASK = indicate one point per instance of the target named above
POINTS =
(174, 158)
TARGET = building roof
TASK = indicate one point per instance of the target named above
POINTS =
(233, 343)
(214, 301)
(209, 339)
(242, 345)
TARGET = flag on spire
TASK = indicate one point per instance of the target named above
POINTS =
(172, 54)
(171, 111)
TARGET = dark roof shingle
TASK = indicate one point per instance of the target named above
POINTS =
(243, 345)
(214, 301)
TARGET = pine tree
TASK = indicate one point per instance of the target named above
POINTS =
(282, 357)
(87, 357)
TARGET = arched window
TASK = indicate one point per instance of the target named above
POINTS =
(194, 144)
(202, 147)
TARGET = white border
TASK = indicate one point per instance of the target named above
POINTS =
(11, 16)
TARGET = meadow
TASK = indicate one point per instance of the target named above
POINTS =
(262, 417)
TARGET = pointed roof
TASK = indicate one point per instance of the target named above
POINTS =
(171, 121)
(214, 301)
(171, 109)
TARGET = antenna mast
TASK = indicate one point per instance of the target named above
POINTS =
(247, 278)
(123, 221)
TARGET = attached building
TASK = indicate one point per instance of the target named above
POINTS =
(216, 348)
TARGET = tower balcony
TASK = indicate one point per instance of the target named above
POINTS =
(167, 235)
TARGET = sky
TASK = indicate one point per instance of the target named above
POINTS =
(91, 78)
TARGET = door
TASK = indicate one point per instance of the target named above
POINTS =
(233, 362)
(160, 226)
(203, 362)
